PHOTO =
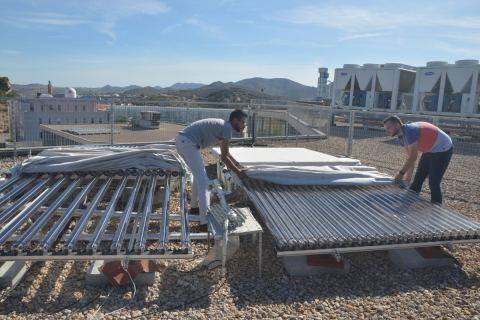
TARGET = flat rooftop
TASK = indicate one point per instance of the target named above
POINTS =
(121, 133)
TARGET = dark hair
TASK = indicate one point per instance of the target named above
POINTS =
(392, 118)
(237, 114)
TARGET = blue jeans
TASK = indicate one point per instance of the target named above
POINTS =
(433, 166)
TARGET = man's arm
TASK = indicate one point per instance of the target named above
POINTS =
(409, 174)
(227, 158)
(406, 171)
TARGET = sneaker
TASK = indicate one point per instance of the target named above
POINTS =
(194, 211)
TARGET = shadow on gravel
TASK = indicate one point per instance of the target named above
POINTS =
(60, 287)
(174, 290)
(180, 289)
(371, 275)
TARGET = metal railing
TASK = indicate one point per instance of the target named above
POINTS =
(352, 133)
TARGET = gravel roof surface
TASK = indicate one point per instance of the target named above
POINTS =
(373, 289)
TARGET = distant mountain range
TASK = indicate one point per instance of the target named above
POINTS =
(279, 87)
(240, 90)
(184, 86)
(32, 88)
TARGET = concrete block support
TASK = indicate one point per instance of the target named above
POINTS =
(11, 272)
(429, 257)
(304, 266)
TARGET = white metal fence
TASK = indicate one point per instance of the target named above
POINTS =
(356, 133)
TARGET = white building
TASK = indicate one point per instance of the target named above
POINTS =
(444, 88)
(437, 88)
(322, 86)
(29, 113)
(374, 86)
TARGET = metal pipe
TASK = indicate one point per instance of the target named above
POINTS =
(72, 239)
(131, 243)
(24, 199)
(360, 234)
(122, 227)
(46, 215)
(381, 216)
(328, 228)
(293, 233)
(343, 233)
(263, 203)
(145, 219)
(373, 248)
(5, 185)
(54, 232)
(25, 214)
(300, 225)
(164, 230)
(186, 242)
(260, 204)
(105, 257)
(97, 234)
(17, 189)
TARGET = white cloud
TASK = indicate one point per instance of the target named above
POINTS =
(403, 23)
(460, 22)
(342, 17)
(209, 29)
(362, 36)
(46, 19)
(102, 15)
(352, 18)
(109, 15)
(460, 51)
(282, 43)
(55, 20)
(469, 38)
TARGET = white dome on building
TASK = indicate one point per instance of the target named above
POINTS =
(70, 93)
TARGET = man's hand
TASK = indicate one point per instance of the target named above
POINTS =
(242, 171)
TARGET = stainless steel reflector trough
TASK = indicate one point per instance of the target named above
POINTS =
(94, 216)
(333, 219)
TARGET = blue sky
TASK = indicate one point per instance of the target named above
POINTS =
(149, 42)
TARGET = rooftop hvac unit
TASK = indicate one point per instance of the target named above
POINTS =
(466, 63)
(452, 103)
(148, 120)
(406, 102)
(429, 102)
(150, 115)
(345, 98)
(456, 102)
(359, 99)
(431, 64)
(384, 100)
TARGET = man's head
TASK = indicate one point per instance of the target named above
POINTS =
(392, 125)
(237, 119)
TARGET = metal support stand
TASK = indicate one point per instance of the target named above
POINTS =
(260, 244)
(224, 247)
(351, 127)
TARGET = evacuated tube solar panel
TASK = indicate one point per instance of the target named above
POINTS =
(321, 217)
(36, 210)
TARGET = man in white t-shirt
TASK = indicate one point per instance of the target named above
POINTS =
(204, 134)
